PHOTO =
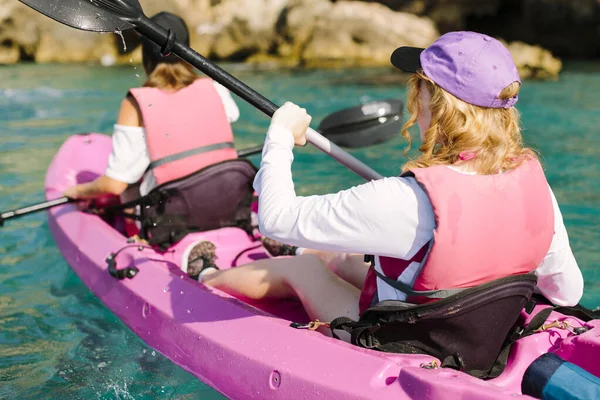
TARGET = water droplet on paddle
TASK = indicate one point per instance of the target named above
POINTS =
(153, 353)
(166, 135)
(117, 32)
(165, 290)
(181, 292)
(137, 75)
(188, 311)
(149, 105)
(144, 351)
(131, 60)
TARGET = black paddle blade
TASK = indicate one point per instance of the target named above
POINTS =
(364, 125)
(89, 15)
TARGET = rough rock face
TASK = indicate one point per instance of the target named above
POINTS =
(307, 33)
(321, 33)
(534, 61)
(248, 27)
(27, 35)
(365, 33)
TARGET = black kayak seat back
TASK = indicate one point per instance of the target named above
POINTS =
(213, 197)
(467, 330)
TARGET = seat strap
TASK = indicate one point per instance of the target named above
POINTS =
(404, 288)
(189, 153)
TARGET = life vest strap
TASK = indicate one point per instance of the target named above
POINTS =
(189, 153)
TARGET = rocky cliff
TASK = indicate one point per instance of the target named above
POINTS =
(307, 33)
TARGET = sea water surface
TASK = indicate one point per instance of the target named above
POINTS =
(57, 341)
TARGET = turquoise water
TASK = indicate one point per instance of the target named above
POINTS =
(58, 341)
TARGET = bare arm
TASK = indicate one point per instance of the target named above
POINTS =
(99, 187)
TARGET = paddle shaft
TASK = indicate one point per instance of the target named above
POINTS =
(160, 36)
(250, 151)
(33, 208)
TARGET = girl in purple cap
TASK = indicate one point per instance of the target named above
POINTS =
(475, 206)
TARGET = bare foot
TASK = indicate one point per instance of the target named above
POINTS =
(200, 258)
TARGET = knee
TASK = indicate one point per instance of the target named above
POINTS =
(310, 262)
(304, 265)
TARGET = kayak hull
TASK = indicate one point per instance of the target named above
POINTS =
(247, 350)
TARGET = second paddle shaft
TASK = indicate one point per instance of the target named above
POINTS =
(158, 34)
(32, 208)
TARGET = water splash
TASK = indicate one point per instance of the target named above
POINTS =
(118, 32)
(121, 392)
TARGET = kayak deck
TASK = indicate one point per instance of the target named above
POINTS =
(248, 350)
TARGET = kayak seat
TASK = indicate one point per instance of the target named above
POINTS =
(470, 331)
(214, 197)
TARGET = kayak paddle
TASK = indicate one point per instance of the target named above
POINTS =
(118, 15)
(33, 208)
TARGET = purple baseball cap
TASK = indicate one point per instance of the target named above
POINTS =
(472, 66)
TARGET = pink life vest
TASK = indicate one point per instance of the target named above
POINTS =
(487, 227)
(186, 130)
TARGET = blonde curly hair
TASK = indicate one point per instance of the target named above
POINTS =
(493, 135)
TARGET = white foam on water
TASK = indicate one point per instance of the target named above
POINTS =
(121, 392)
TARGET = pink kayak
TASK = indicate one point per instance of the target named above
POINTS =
(249, 351)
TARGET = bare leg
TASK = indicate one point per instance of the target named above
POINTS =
(131, 193)
(324, 295)
(348, 266)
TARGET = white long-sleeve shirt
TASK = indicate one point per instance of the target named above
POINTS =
(129, 158)
(389, 217)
